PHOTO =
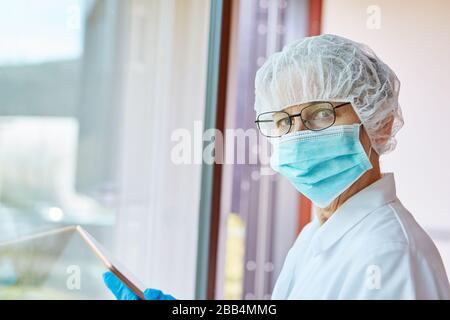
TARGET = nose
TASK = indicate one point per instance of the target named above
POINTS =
(298, 125)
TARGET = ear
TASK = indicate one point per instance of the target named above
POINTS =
(384, 133)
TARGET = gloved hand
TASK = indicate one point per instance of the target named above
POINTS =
(122, 292)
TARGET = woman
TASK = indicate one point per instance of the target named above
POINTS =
(330, 107)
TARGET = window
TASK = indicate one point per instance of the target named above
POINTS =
(57, 118)
(91, 92)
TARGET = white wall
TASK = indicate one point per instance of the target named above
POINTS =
(413, 38)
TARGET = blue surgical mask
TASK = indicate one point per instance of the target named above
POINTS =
(321, 164)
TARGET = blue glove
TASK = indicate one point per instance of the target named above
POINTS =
(122, 292)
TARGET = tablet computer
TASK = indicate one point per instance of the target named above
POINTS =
(40, 260)
(112, 265)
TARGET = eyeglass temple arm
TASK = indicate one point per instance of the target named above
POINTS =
(341, 105)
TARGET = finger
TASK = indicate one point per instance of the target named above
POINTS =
(118, 288)
(154, 294)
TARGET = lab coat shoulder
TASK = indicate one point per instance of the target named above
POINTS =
(396, 260)
(394, 272)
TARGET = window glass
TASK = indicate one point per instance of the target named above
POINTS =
(57, 117)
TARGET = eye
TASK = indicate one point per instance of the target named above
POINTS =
(321, 114)
(283, 122)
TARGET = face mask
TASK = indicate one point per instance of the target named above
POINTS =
(321, 164)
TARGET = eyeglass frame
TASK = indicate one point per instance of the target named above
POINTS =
(301, 118)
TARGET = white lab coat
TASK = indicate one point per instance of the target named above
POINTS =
(370, 248)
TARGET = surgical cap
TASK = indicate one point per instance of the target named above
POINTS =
(333, 68)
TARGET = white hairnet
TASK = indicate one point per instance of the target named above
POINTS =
(333, 68)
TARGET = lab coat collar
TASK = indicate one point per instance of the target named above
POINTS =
(352, 211)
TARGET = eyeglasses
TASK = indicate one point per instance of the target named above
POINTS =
(316, 116)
